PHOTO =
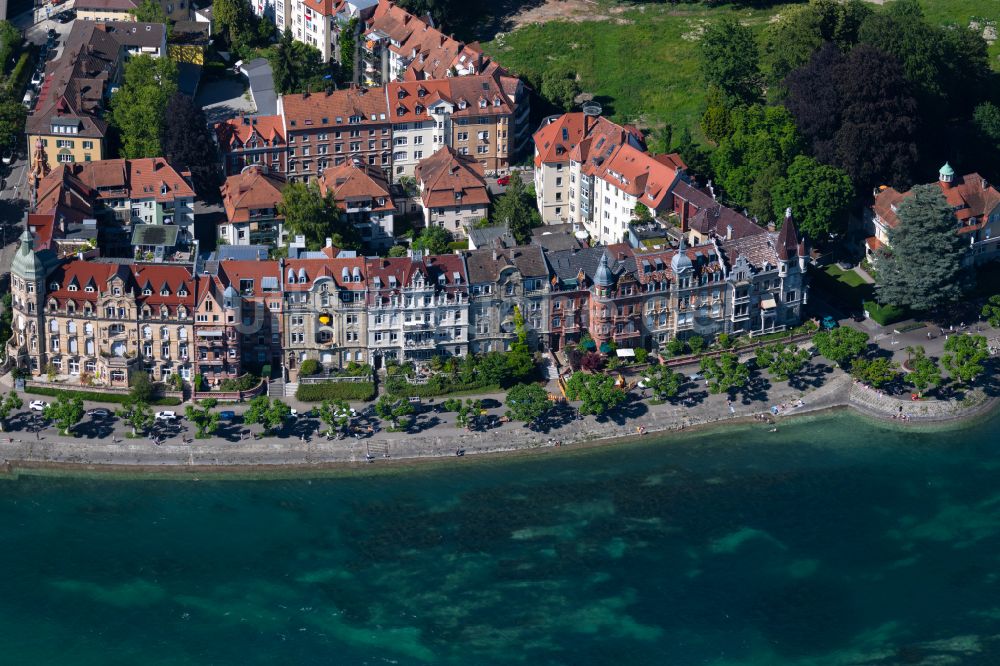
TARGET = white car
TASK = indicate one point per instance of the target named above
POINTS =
(37, 405)
(695, 377)
(8, 157)
(166, 415)
(643, 383)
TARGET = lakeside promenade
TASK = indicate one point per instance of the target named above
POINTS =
(299, 445)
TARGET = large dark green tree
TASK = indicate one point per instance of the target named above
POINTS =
(922, 267)
(730, 61)
(818, 194)
(316, 217)
(433, 240)
(12, 118)
(761, 138)
(856, 112)
(138, 109)
(516, 208)
(186, 141)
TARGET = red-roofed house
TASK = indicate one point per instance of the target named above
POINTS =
(976, 204)
(327, 129)
(592, 172)
(362, 192)
(399, 46)
(452, 190)
(251, 202)
(252, 141)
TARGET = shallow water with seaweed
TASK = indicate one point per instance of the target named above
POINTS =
(832, 541)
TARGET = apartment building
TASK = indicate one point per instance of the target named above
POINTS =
(418, 307)
(363, 194)
(251, 200)
(974, 200)
(503, 281)
(399, 46)
(68, 118)
(453, 191)
(97, 321)
(259, 324)
(103, 11)
(592, 172)
(320, 23)
(216, 339)
(332, 128)
(324, 311)
(473, 114)
(252, 141)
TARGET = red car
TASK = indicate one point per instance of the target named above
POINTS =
(503, 180)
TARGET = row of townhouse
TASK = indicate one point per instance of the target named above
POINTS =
(105, 319)
(391, 127)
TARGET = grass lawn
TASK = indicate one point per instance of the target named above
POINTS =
(642, 64)
(850, 278)
(844, 286)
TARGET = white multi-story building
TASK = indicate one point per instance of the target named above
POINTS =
(319, 23)
(592, 172)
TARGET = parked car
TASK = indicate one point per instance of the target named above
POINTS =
(8, 156)
(52, 32)
(845, 265)
(166, 415)
(37, 78)
(227, 415)
(695, 377)
(99, 412)
(503, 180)
(28, 99)
(829, 323)
(37, 405)
(65, 17)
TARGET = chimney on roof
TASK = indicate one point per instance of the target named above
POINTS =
(711, 190)
(329, 242)
(729, 232)
(770, 226)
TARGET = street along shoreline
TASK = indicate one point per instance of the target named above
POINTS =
(264, 459)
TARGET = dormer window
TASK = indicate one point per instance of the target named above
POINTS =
(462, 104)
(54, 286)
(72, 287)
(401, 94)
(496, 101)
(147, 291)
(164, 292)
(163, 189)
(88, 289)
(482, 104)
(182, 292)
(117, 291)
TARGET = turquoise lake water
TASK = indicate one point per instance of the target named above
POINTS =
(832, 541)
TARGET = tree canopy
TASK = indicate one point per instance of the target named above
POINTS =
(782, 360)
(598, 392)
(65, 411)
(296, 66)
(316, 217)
(841, 345)
(527, 402)
(433, 240)
(857, 113)
(186, 141)
(516, 207)
(151, 11)
(730, 60)
(924, 371)
(138, 109)
(964, 356)
(819, 196)
(664, 382)
(876, 372)
(922, 267)
(725, 373)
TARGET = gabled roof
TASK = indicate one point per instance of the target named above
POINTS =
(450, 179)
(247, 191)
(432, 54)
(143, 178)
(235, 133)
(357, 182)
(971, 196)
(331, 109)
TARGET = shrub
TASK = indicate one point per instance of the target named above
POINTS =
(310, 366)
(96, 396)
(19, 76)
(885, 314)
(641, 355)
(431, 389)
(242, 383)
(265, 371)
(335, 391)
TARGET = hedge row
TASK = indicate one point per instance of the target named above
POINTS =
(405, 390)
(95, 396)
(335, 391)
(18, 79)
(885, 314)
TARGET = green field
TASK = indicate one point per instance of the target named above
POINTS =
(642, 62)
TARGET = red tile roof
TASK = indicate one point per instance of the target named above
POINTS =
(317, 110)
(250, 190)
(433, 53)
(357, 182)
(445, 175)
(144, 178)
(235, 133)
(332, 268)
(970, 195)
